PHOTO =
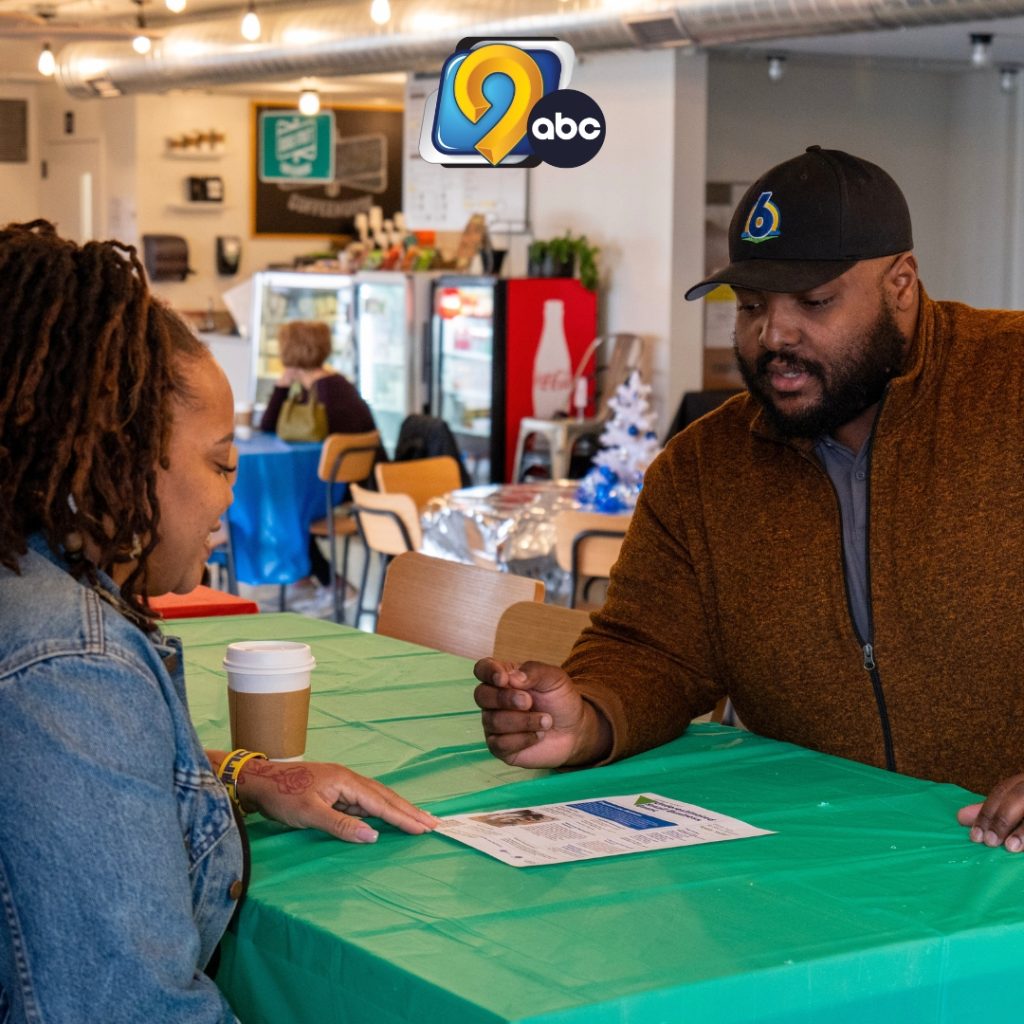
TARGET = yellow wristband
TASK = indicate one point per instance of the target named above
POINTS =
(231, 767)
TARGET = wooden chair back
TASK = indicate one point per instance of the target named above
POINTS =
(532, 631)
(388, 523)
(626, 353)
(348, 458)
(595, 552)
(449, 606)
(421, 479)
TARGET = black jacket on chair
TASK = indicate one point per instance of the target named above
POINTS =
(422, 437)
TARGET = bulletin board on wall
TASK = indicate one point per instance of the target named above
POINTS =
(444, 198)
(367, 172)
(720, 369)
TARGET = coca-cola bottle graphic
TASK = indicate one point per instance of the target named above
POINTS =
(552, 367)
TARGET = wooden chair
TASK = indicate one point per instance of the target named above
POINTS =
(421, 479)
(344, 459)
(587, 546)
(449, 606)
(531, 631)
(388, 525)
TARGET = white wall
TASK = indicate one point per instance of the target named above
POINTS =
(162, 185)
(983, 205)
(641, 200)
(19, 183)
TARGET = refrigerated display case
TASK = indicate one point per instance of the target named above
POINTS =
(503, 349)
(281, 295)
(392, 332)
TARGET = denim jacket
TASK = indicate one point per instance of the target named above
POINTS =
(118, 849)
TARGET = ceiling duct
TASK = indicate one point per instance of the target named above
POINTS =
(336, 41)
(659, 29)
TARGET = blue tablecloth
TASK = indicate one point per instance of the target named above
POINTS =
(277, 496)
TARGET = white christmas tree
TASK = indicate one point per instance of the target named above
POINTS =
(628, 446)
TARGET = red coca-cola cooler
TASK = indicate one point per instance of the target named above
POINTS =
(503, 349)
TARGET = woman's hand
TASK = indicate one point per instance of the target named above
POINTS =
(330, 797)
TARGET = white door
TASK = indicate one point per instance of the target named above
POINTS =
(72, 191)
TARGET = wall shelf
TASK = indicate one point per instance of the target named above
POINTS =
(197, 207)
(195, 154)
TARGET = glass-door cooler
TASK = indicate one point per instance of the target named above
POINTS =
(463, 366)
(390, 362)
(279, 296)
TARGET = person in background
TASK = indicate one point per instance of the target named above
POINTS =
(840, 550)
(305, 346)
(121, 860)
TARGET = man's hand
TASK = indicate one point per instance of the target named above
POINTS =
(334, 799)
(999, 821)
(534, 717)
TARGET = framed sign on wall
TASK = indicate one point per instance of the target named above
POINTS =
(312, 175)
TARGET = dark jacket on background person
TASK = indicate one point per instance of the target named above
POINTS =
(731, 579)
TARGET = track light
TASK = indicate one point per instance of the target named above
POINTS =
(776, 66)
(47, 62)
(251, 27)
(380, 11)
(309, 102)
(175, 6)
(981, 49)
(1008, 77)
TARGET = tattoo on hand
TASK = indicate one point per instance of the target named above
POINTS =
(290, 781)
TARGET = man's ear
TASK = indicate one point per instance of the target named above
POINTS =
(901, 280)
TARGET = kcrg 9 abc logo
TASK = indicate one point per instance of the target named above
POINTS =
(504, 103)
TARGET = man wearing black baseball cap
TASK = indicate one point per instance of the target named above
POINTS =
(841, 549)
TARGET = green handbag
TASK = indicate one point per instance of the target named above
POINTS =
(302, 420)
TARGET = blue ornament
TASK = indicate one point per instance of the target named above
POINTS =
(633, 430)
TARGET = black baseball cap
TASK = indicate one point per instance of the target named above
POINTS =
(808, 220)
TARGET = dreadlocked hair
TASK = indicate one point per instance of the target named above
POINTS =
(88, 367)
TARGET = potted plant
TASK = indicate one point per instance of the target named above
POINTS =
(586, 262)
(561, 257)
(536, 255)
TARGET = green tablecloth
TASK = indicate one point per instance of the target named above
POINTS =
(868, 904)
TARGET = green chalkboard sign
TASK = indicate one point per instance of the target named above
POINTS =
(291, 193)
(294, 147)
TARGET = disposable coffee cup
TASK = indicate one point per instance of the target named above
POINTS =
(268, 696)
(243, 421)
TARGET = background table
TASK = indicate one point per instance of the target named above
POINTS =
(277, 496)
(868, 904)
(202, 603)
(506, 526)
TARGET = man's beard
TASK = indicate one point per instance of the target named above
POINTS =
(853, 383)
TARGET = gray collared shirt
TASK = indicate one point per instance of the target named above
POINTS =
(849, 475)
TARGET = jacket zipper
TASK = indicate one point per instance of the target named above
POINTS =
(867, 644)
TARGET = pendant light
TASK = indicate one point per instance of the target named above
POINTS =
(251, 27)
(47, 62)
(141, 44)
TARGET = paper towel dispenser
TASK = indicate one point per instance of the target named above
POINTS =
(165, 257)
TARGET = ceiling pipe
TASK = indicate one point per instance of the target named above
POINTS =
(336, 41)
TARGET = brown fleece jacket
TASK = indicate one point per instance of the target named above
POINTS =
(731, 579)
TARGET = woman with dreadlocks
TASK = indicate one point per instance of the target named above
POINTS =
(120, 858)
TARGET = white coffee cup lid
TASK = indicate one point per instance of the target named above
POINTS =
(269, 656)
